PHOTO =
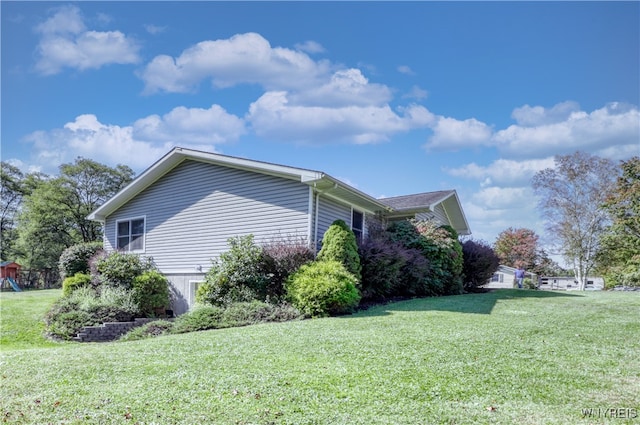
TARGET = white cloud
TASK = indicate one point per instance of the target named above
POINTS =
(505, 172)
(346, 87)
(614, 127)
(613, 130)
(190, 125)
(137, 145)
(453, 134)
(310, 47)
(272, 116)
(154, 29)
(416, 93)
(404, 69)
(243, 58)
(65, 42)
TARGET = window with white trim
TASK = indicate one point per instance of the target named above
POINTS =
(130, 234)
(357, 224)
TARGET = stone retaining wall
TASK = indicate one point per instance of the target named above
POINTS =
(108, 331)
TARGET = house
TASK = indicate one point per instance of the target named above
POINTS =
(570, 283)
(182, 210)
(505, 277)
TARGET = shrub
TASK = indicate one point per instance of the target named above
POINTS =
(201, 318)
(236, 276)
(382, 264)
(86, 307)
(75, 259)
(281, 258)
(74, 282)
(151, 329)
(150, 292)
(249, 313)
(118, 269)
(339, 244)
(323, 288)
(480, 263)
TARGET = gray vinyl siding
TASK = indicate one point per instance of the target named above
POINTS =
(440, 215)
(192, 211)
(330, 211)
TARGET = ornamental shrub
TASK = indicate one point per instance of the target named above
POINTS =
(118, 269)
(150, 292)
(238, 275)
(75, 259)
(323, 288)
(151, 329)
(281, 258)
(480, 263)
(201, 318)
(339, 244)
(74, 282)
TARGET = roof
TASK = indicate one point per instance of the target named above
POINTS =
(427, 201)
(417, 201)
(9, 263)
(323, 182)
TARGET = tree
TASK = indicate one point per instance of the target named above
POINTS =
(12, 189)
(571, 198)
(620, 257)
(54, 210)
(517, 247)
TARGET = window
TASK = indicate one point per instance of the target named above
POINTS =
(357, 224)
(130, 234)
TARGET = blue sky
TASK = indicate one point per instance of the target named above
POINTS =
(392, 98)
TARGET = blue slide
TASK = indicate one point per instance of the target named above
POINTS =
(14, 285)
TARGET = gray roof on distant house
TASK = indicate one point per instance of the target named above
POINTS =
(417, 201)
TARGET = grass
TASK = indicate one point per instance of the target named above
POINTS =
(21, 318)
(509, 356)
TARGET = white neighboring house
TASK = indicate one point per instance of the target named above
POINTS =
(568, 283)
(505, 277)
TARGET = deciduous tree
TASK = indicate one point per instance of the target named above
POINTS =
(571, 197)
(517, 247)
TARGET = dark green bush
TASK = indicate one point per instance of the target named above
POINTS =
(339, 244)
(236, 276)
(118, 269)
(74, 282)
(150, 292)
(323, 288)
(201, 318)
(151, 329)
(75, 259)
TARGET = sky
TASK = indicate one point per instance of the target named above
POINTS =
(392, 98)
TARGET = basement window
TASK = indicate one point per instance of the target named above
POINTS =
(130, 234)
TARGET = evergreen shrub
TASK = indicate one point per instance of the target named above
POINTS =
(117, 269)
(323, 288)
(339, 244)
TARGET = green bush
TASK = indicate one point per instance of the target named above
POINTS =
(339, 244)
(150, 292)
(249, 313)
(201, 318)
(75, 259)
(151, 329)
(118, 269)
(74, 282)
(323, 288)
(236, 276)
(86, 307)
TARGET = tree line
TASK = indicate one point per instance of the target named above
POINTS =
(591, 207)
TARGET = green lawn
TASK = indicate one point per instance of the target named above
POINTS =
(525, 357)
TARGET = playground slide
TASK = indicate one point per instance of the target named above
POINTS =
(14, 285)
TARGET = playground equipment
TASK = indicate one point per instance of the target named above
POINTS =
(9, 272)
(14, 284)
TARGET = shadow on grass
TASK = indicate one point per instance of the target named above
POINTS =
(480, 303)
